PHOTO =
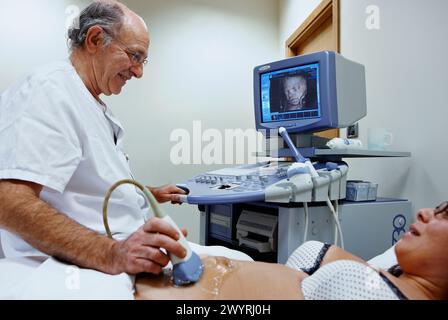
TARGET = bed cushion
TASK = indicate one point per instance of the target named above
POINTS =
(385, 260)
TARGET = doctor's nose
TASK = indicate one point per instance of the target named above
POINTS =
(137, 71)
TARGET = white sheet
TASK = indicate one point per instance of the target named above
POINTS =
(53, 280)
(48, 279)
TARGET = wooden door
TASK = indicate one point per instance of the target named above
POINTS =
(320, 31)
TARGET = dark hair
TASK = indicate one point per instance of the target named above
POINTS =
(107, 15)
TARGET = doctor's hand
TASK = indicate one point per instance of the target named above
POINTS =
(168, 193)
(141, 252)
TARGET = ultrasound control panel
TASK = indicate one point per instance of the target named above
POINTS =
(280, 182)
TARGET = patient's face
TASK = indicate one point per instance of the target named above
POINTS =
(425, 247)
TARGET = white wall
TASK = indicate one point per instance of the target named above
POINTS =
(406, 79)
(406, 90)
(201, 63)
(291, 15)
(202, 57)
(32, 33)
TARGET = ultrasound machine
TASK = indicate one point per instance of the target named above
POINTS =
(268, 209)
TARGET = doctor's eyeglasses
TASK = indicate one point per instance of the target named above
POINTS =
(442, 209)
(135, 57)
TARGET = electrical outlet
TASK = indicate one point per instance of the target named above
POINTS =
(353, 131)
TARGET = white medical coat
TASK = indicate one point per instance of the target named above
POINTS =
(54, 133)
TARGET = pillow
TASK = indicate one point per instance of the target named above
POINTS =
(385, 260)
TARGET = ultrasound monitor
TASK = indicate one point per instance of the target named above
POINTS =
(309, 93)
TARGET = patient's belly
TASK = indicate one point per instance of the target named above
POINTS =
(226, 279)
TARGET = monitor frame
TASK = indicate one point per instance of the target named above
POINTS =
(326, 61)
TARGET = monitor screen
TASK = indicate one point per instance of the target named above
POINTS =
(291, 94)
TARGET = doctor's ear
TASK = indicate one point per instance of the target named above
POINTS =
(94, 39)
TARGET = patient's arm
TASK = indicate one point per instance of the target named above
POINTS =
(226, 279)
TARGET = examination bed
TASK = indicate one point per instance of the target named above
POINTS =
(49, 279)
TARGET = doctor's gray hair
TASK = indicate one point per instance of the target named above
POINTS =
(105, 14)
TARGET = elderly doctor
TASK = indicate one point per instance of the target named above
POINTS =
(61, 148)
